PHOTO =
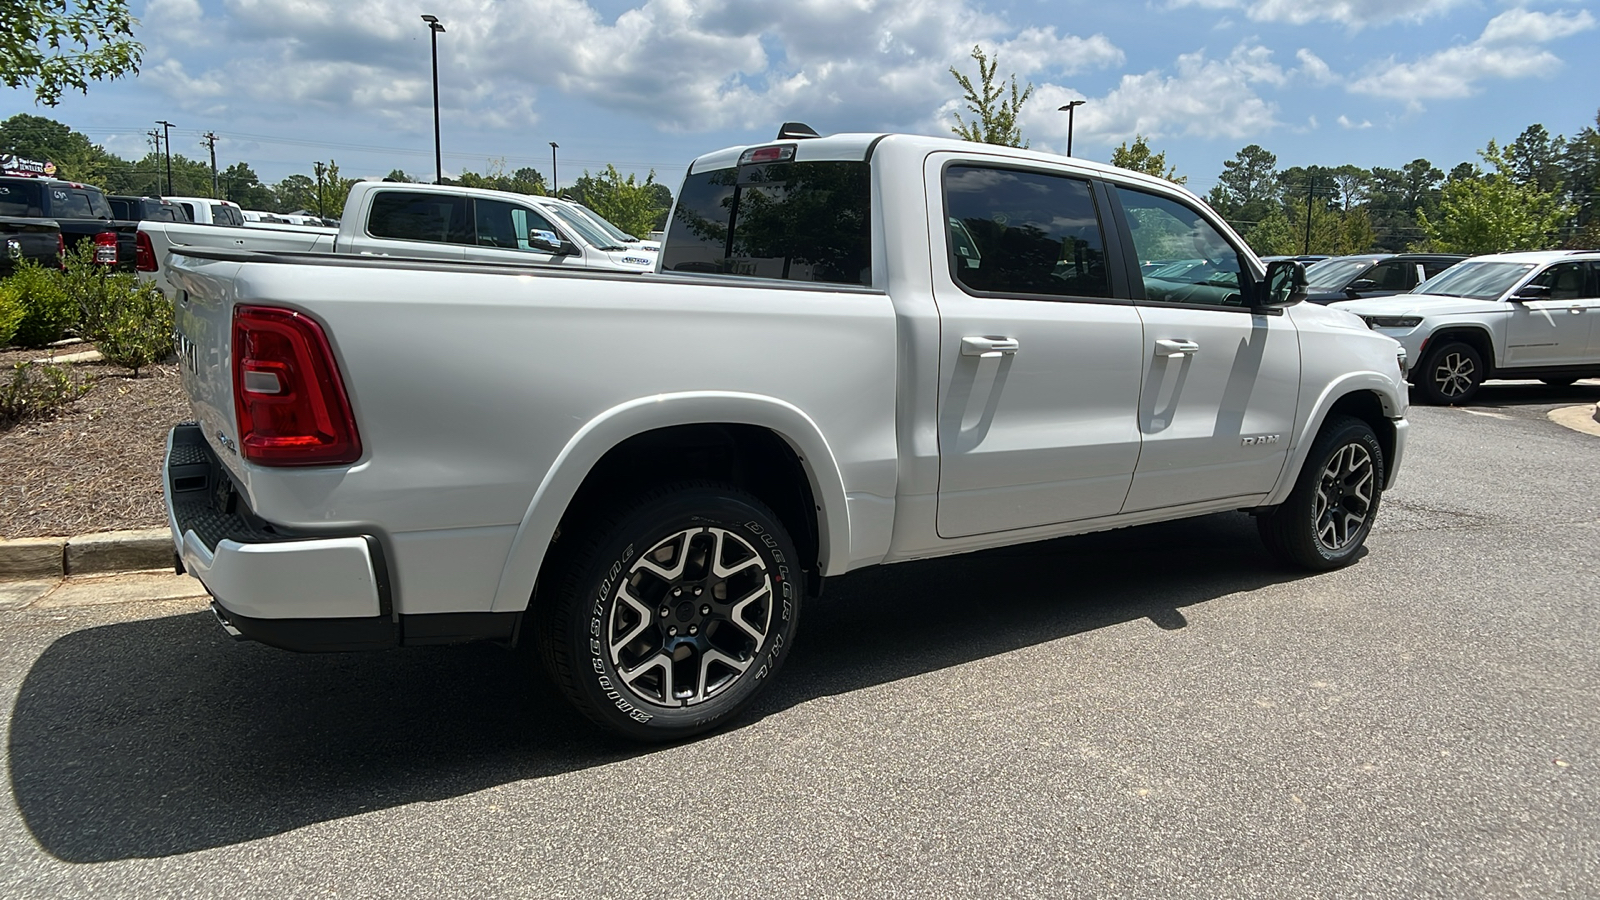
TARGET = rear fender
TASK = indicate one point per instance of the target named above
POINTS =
(621, 422)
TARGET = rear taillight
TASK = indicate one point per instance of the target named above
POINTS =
(144, 254)
(291, 403)
(61, 252)
(105, 248)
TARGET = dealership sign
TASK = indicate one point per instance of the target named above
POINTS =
(17, 165)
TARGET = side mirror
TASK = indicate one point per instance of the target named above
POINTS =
(549, 242)
(1285, 284)
(1361, 284)
(1532, 292)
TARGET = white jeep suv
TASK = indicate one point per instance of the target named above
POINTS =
(1506, 315)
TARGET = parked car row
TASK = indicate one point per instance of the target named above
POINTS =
(424, 221)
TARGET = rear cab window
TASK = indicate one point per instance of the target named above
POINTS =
(21, 198)
(1016, 232)
(407, 216)
(793, 221)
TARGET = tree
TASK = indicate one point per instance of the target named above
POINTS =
(996, 121)
(1494, 213)
(1138, 158)
(1354, 185)
(240, 184)
(51, 46)
(629, 204)
(331, 190)
(1534, 159)
(400, 176)
(1247, 189)
(295, 192)
(1580, 165)
(76, 157)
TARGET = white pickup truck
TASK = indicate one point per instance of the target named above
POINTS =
(423, 221)
(859, 349)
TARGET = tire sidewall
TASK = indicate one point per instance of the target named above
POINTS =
(1430, 387)
(1336, 440)
(596, 676)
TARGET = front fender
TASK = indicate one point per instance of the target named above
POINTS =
(617, 424)
(1387, 390)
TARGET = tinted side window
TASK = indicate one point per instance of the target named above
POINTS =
(1389, 275)
(1566, 281)
(439, 218)
(809, 221)
(226, 215)
(1182, 257)
(123, 209)
(1432, 267)
(501, 224)
(21, 198)
(1014, 232)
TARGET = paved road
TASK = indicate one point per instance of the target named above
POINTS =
(1157, 712)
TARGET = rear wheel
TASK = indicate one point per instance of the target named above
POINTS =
(668, 616)
(1329, 513)
(1451, 373)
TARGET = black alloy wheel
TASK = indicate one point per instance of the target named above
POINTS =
(1327, 517)
(668, 617)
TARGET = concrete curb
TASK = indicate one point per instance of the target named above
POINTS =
(86, 554)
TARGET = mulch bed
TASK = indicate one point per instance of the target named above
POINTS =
(96, 464)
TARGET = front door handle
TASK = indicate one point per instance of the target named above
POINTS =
(1173, 349)
(988, 348)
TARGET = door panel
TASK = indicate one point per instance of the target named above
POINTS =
(1038, 367)
(1197, 410)
(1555, 331)
(1221, 382)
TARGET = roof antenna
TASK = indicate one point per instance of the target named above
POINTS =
(796, 131)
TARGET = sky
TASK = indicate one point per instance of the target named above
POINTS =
(649, 86)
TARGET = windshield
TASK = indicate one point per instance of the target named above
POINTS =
(1333, 274)
(582, 226)
(1475, 280)
(617, 234)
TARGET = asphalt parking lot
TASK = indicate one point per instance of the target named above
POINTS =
(1155, 712)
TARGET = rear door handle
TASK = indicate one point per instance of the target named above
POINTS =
(989, 348)
(1177, 348)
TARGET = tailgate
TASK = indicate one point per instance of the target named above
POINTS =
(203, 321)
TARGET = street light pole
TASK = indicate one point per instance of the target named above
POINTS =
(555, 183)
(435, 29)
(167, 127)
(1070, 109)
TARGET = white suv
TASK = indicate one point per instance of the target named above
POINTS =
(1507, 315)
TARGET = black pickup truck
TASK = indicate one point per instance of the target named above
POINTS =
(24, 239)
(79, 210)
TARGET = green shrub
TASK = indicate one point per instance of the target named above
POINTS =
(47, 311)
(34, 391)
(10, 313)
(130, 322)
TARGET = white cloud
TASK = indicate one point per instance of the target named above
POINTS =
(1204, 97)
(1508, 48)
(1344, 122)
(683, 65)
(1314, 69)
(1352, 13)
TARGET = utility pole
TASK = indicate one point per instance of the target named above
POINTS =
(555, 183)
(167, 127)
(320, 169)
(210, 141)
(1311, 186)
(155, 136)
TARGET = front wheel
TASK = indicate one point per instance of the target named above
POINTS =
(1329, 513)
(668, 616)
(1451, 373)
